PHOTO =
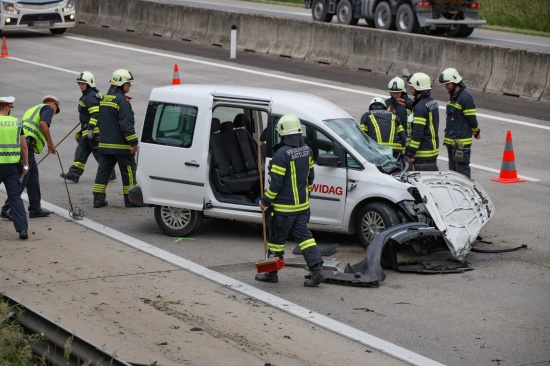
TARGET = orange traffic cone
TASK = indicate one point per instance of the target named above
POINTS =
(4, 48)
(176, 77)
(508, 172)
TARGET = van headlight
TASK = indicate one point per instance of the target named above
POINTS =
(10, 8)
(69, 6)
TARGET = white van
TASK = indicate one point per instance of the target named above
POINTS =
(198, 158)
(55, 15)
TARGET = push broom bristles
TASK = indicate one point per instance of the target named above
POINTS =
(270, 265)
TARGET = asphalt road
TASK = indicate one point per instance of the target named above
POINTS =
(496, 314)
(480, 35)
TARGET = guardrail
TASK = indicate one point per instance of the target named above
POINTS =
(492, 69)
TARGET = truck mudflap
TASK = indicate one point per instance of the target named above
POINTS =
(382, 252)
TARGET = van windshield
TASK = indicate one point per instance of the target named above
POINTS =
(375, 154)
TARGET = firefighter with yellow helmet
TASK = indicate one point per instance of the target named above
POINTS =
(118, 141)
(461, 124)
(292, 175)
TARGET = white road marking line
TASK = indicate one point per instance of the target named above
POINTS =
(481, 167)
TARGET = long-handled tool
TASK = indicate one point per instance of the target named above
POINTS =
(268, 264)
(59, 143)
(75, 212)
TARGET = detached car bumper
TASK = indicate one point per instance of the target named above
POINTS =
(135, 195)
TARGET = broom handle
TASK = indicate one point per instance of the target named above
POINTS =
(261, 193)
(59, 143)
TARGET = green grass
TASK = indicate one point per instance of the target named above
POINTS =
(527, 17)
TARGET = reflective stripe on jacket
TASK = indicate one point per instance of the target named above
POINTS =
(31, 127)
(461, 119)
(424, 139)
(384, 127)
(292, 177)
(10, 141)
(116, 134)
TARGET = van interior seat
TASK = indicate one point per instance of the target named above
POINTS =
(225, 156)
(247, 145)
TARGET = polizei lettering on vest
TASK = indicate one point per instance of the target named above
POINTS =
(8, 123)
(298, 152)
(323, 188)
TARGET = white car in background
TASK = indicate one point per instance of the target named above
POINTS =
(198, 158)
(55, 15)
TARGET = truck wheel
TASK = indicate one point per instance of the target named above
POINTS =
(383, 18)
(406, 20)
(373, 218)
(319, 11)
(460, 31)
(344, 13)
(177, 221)
(58, 30)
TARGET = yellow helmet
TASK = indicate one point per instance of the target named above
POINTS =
(121, 77)
(450, 75)
(420, 81)
(86, 77)
(396, 85)
(289, 125)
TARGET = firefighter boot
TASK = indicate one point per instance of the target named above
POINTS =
(314, 261)
(270, 277)
(99, 200)
(316, 276)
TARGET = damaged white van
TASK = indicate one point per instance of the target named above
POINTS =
(198, 158)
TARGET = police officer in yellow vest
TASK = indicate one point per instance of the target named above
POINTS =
(36, 125)
(13, 163)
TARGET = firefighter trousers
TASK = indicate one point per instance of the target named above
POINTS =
(462, 166)
(127, 166)
(83, 150)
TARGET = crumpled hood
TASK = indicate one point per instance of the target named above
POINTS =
(459, 207)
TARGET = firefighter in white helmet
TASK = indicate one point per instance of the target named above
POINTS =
(287, 198)
(423, 149)
(401, 104)
(88, 135)
(384, 127)
(461, 124)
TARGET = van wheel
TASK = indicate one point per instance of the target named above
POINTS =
(373, 218)
(58, 30)
(176, 221)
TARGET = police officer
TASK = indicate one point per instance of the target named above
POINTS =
(118, 141)
(13, 157)
(292, 174)
(400, 104)
(461, 122)
(384, 127)
(88, 135)
(423, 150)
(36, 125)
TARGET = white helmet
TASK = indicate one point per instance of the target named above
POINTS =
(420, 81)
(396, 85)
(52, 98)
(86, 77)
(450, 75)
(377, 100)
(121, 77)
(289, 125)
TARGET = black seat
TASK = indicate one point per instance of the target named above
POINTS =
(247, 145)
(226, 159)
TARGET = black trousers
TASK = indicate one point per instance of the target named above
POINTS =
(9, 175)
(462, 167)
(83, 150)
(127, 166)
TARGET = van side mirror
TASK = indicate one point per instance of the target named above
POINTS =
(328, 160)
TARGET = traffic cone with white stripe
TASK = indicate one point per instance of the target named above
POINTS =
(508, 172)
(4, 48)
(176, 77)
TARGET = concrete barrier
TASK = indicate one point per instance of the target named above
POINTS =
(486, 68)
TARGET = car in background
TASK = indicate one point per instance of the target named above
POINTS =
(55, 15)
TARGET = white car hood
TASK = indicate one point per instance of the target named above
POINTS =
(459, 207)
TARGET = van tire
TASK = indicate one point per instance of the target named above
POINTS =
(175, 221)
(58, 30)
(373, 218)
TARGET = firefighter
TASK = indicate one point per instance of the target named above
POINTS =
(461, 122)
(118, 141)
(292, 175)
(88, 135)
(384, 127)
(14, 164)
(36, 125)
(423, 149)
(400, 104)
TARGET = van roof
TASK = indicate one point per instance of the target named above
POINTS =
(304, 106)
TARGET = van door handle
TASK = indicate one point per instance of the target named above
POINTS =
(188, 163)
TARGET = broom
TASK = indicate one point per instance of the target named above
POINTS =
(268, 264)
